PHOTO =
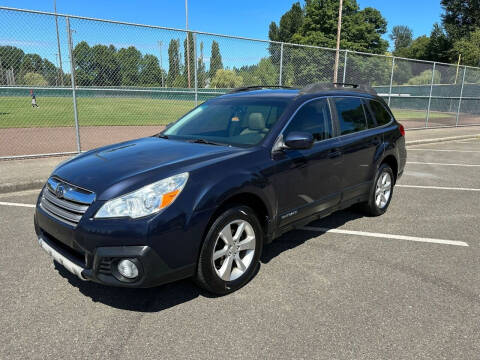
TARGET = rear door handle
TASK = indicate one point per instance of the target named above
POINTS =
(376, 140)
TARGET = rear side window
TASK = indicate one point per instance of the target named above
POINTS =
(351, 115)
(381, 114)
(314, 118)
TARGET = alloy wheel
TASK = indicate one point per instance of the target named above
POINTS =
(234, 250)
(383, 190)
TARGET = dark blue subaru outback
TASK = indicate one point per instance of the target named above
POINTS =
(204, 196)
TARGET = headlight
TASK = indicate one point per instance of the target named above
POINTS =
(148, 200)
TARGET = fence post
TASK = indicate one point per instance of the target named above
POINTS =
(195, 66)
(72, 75)
(391, 81)
(281, 65)
(461, 94)
(430, 95)
(345, 66)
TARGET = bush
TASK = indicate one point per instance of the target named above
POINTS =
(226, 79)
(425, 78)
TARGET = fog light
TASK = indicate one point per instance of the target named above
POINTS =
(128, 269)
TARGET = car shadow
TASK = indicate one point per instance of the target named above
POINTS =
(296, 238)
(142, 300)
(169, 295)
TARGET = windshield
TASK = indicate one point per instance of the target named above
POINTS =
(241, 122)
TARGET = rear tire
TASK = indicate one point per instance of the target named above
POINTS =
(231, 250)
(381, 192)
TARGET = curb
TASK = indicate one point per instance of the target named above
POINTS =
(21, 186)
(435, 140)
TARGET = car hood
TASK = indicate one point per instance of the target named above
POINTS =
(120, 168)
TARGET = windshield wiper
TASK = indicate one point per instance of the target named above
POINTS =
(204, 141)
(162, 136)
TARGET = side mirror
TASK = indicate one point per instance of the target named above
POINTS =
(297, 140)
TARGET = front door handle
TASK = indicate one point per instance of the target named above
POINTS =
(334, 153)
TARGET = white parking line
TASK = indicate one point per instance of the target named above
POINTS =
(385, 236)
(16, 204)
(436, 187)
(447, 150)
(442, 164)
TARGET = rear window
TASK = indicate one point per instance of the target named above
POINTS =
(351, 115)
(381, 114)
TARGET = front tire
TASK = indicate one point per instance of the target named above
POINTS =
(381, 192)
(231, 251)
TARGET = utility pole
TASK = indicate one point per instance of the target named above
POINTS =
(188, 42)
(58, 43)
(160, 43)
(339, 30)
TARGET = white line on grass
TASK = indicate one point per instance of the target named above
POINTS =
(442, 164)
(16, 204)
(447, 150)
(385, 236)
(436, 187)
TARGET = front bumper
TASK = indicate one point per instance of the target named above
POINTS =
(152, 269)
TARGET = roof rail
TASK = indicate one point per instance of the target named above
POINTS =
(247, 88)
(316, 87)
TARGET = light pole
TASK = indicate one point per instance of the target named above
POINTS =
(188, 42)
(58, 43)
(337, 53)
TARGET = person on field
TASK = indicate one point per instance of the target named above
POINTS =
(34, 99)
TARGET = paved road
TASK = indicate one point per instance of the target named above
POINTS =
(317, 295)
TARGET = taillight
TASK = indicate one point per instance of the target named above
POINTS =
(402, 129)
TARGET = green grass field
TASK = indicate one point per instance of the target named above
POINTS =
(58, 111)
(419, 114)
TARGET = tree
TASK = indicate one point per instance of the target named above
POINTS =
(290, 23)
(461, 17)
(361, 29)
(191, 61)
(10, 58)
(104, 66)
(84, 64)
(401, 36)
(173, 61)
(438, 48)
(226, 79)
(129, 60)
(34, 79)
(417, 50)
(215, 60)
(150, 72)
(469, 47)
(201, 72)
(50, 72)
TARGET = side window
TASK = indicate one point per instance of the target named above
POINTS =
(351, 115)
(370, 120)
(381, 114)
(314, 118)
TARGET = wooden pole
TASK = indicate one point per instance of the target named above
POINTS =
(337, 53)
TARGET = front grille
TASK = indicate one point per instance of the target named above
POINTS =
(65, 202)
(105, 265)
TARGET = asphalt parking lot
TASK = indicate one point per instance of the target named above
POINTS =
(401, 286)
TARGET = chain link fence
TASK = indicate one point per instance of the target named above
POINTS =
(70, 83)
